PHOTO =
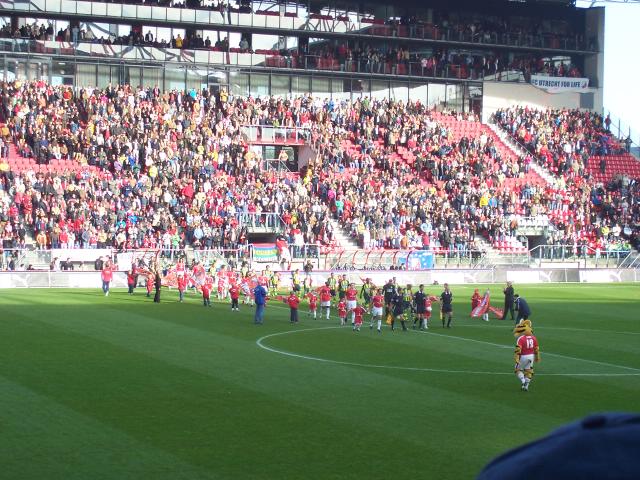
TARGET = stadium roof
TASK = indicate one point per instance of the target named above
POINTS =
(447, 4)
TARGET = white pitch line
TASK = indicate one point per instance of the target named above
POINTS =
(545, 353)
(260, 343)
(460, 338)
(505, 326)
(539, 327)
(595, 362)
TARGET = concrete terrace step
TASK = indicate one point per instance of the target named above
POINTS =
(342, 238)
(519, 151)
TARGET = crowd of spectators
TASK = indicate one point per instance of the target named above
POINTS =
(446, 193)
(487, 28)
(361, 57)
(170, 169)
(167, 169)
(353, 56)
(474, 27)
(563, 142)
(32, 31)
(619, 203)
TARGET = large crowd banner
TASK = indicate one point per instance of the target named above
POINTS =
(560, 84)
(265, 252)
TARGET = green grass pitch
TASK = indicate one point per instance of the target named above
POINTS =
(119, 387)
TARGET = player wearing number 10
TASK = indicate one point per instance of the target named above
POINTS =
(527, 352)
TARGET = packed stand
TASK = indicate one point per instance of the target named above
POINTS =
(163, 170)
(576, 146)
(398, 178)
(170, 169)
(562, 139)
(359, 56)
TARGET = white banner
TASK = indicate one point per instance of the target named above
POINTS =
(560, 84)
(600, 276)
(124, 260)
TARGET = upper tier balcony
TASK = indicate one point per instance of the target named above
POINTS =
(285, 22)
(251, 60)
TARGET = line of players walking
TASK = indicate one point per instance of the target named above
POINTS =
(391, 303)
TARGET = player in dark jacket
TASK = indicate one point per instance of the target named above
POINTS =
(400, 306)
(419, 303)
(389, 291)
(446, 306)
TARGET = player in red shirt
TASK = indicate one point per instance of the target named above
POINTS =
(131, 279)
(107, 276)
(313, 304)
(206, 292)
(234, 292)
(342, 311)
(222, 284)
(150, 281)
(263, 280)
(180, 269)
(245, 288)
(428, 308)
(325, 299)
(293, 301)
(358, 314)
(377, 302)
(182, 286)
(476, 298)
(526, 353)
(351, 294)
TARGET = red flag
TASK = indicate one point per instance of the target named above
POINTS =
(482, 308)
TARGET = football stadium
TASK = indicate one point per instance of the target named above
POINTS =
(319, 240)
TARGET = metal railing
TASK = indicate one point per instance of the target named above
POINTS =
(42, 259)
(381, 259)
(145, 54)
(538, 221)
(84, 258)
(269, 133)
(623, 131)
(325, 257)
(231, 257)
(266, 221)
(305, 252)
(352, 22)
(587, 256)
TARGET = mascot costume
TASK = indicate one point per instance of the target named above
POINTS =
(527, 352)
